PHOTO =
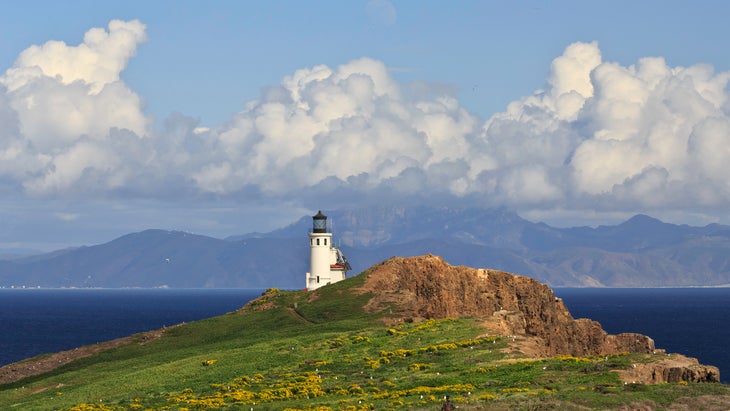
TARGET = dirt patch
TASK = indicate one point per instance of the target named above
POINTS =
(296, 314)
(705, 402)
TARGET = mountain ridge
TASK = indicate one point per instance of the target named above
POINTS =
(640, 252)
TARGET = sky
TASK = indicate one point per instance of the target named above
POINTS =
(227, 117)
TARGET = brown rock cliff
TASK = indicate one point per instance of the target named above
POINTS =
(671, 368)
(428, 287)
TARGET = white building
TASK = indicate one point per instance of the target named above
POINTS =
(327, 264)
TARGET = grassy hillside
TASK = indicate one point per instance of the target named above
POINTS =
(287, 351)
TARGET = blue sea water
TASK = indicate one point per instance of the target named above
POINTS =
(38, 321)
(690, 321)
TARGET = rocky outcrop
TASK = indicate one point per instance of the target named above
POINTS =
(428, 287)
(671, 368)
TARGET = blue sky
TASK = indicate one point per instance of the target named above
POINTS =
(222, 118)
(224, 52)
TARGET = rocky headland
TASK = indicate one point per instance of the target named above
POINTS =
(405, 289)
(527, 311)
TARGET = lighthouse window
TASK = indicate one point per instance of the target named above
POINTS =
(325, 241)
(318, 241)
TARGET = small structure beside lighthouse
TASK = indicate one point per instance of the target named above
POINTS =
(327, 264)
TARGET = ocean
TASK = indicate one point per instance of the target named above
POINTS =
(38, 321)
(690, 321)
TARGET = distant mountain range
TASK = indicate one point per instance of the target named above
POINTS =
(641, 252)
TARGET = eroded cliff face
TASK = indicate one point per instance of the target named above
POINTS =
(428, 287)
(671, 368)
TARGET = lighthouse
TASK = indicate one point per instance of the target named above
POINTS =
(327, 264)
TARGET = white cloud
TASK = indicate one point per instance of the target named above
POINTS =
(599, 136)
(629, 137)
(67, 216)
(570, 79)
(708, 148)
(96, 62)
(340, 123)
(65, 101)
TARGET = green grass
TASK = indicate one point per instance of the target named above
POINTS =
(328, 353)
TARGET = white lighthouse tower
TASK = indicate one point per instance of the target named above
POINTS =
(327, 264)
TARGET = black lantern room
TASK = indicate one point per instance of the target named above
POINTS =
(320, 223)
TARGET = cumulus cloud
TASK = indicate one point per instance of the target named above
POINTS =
(599, 136)
(64, 105)
(340, 123)
(96, 62)
(618, 137)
